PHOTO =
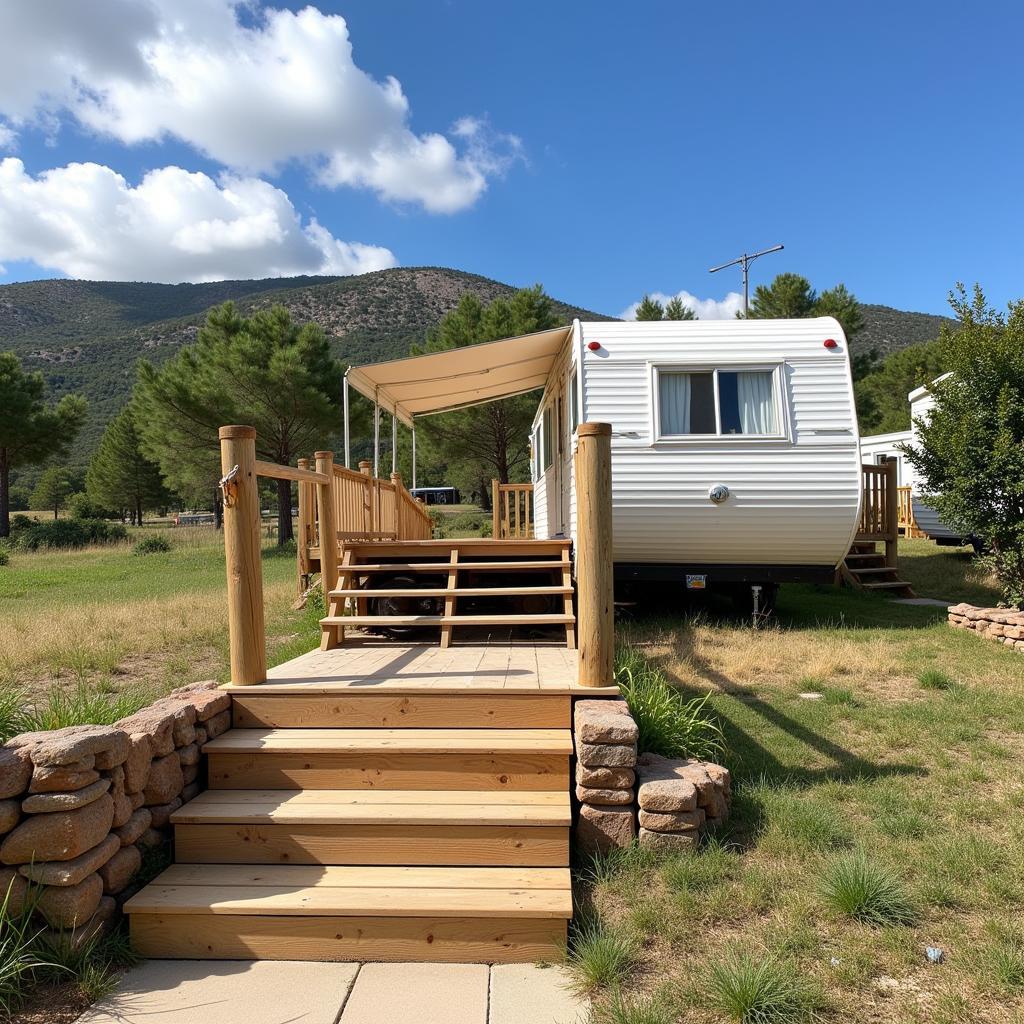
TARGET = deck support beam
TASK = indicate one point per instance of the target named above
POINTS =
(594, 574)
(246, 629)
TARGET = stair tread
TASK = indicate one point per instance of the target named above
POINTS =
(873, 570)
(402, 741)
(540, 619)
(325, 890)
(389, 807)
(457, 592)
(444, 567)
(889, 585)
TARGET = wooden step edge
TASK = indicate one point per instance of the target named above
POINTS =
(872, 571)
(539, 619)
(456, 592)
(442, 568)
(902, 584)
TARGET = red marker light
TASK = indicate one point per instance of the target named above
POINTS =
(594, 345)
(831, 343)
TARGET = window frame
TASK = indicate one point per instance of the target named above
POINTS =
(574, 400)
(548, 428)
(781, 410)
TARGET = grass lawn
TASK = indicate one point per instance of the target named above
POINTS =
(877, 818)
(114, 620)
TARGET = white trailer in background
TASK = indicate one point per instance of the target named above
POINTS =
(880, 448)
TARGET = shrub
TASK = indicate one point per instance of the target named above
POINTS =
(669, 724)
(866, 891)
(157, 544)
(68, 533)
(761, 991)
(19, 523)
(5, 555)
(81, 506)
(599, 957)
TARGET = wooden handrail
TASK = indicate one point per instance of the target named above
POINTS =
(879, 520)
(278, 472)
(511, 510)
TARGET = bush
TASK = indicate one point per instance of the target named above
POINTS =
(866, 891)
(669, 724)
(20, 523)
(67, 533)
(157, 544)
(81, 506)
(5, 556)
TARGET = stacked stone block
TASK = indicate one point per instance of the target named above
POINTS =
(678, 799)
(79, 806)
(606, 738)
(1005, 625)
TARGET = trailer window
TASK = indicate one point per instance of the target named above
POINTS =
(547, 440)
(717, 402)
(574, 401)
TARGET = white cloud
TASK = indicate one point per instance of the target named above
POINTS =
(8, 137)
(706, 309)
(250, 87)
(87, 221)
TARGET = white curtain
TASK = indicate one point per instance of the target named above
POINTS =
(674, 402)
(757, 408)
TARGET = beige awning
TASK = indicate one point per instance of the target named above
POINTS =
(459, 377)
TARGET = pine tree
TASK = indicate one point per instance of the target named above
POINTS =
(649, 309)
(30, 431)
(52, 490)
(120, 475)
(675, 309)
(265, 371)
(791, 297)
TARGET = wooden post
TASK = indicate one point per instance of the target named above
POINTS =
(892, 529)
(364, 468)
(396, 483)
(246, 630)
(495, 509)
(304, 537)
(595, 583)
(328, 532)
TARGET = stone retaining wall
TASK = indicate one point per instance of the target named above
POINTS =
(1006, 625)
(80, 806)
(671, 799)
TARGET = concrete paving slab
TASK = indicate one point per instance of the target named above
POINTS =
(418, 994)
(227, 992)
(923, 601)
(528, 994)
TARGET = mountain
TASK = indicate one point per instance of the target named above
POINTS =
(86, 336)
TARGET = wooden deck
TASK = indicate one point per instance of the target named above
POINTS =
(379, 666)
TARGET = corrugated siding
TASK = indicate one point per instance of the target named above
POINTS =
(792, 501)
(926, 516)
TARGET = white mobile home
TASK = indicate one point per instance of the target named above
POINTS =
(879, 448)
(735, 454)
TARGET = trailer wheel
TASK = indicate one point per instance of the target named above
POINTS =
(401, 605)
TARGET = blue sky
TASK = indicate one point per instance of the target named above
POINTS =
(602, 149)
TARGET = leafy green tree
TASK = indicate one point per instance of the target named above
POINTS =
(263, 370)
(30, 431)
(970, 455)
(120, 475)
(52, 490)
(676, 309)
(791, 297)
(473, 446)
(650, 309)
(882, 393)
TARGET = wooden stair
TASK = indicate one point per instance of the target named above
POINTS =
(388, 839)
(864, 568)
(411, 585)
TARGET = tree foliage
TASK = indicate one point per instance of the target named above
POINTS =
(882, 394)
(265, 371)
(970, 456)
(120, 476)
(52, 490)
(791, 297)
(30, 430)
(649, 309)
(472, 446)
(676, 309)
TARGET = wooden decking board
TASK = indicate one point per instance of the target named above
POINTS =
(443, 591)
(397, 741)
(412, 807)
(442, 567)
(538, 619)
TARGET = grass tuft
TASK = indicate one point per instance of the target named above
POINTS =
(866, 891)
(711, 865)
(600, 957)
(935, 679)
(765, 990)
(620, 1010)
(20, 958)
(669, 724)
(81, 705)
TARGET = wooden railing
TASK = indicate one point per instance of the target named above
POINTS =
(511, 510)
(879, 517)
(905, 521)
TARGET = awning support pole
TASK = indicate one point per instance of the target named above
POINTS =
(394, 444)
(344, 402)
(414, 454)
(376, 438)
